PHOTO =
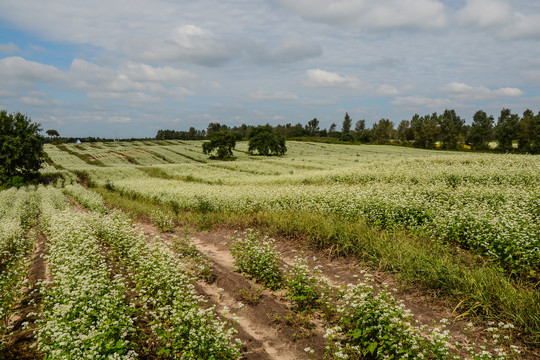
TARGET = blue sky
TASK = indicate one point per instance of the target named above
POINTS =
(128, 68)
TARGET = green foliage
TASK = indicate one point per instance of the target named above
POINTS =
(506, 130)
(379, 327)
(383, 131)
(250, 296)
(346, 129)
(481, 130)
(303, 289)
(223, 141)
(163, 221)
(426, 130)
(451, 126)
(21, 147)
(52, 132)
(257, 257)
(265, 142)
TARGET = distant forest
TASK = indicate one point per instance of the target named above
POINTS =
(511, 132)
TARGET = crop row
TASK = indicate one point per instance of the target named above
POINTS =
(18, 212)
(363, 322)
(84, 314)
(112, 295)
(502, 222)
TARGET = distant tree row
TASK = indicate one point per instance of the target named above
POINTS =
(448, 130)
(191, 134)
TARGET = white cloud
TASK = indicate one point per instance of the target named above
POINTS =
(322, 78)
(383, 14)
(188, 43)
(132, 82)
(498, 15)
(119, 119)
(9, 48)
(288, 51)
(532, 76)
(273, 95)
(470, 93)
(39, 98)
(35, 101)
(17, 70)
(166, 74)
(414, 102)
(387, 90)
(485, 13)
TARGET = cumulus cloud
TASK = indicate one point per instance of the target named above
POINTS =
(9, 48)
(290, 50)
(273, 95)
(384, 14)
(501, 17)
(165, 74)
(39, 98)
(387, 90)
(131, 82)
(466, 92)
(414, 102)
(119, 119)
(322, 78)
(485, 13)
(188, 43)
(18, 70)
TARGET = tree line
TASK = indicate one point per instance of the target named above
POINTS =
(510, 132)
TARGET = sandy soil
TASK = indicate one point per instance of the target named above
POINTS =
(266, 327)
(21, 339)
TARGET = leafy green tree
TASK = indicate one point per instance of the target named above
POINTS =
(526, 131)
(405, 132)
(332, 131)
(52, 132)
(21, 147)
(346, 129)
(360, 126)
(426, 130)
(383, 131)
(481, 132)
(223, 141)
(506, 130)
(535, 144)
(265, 142)
(450, 126)
(312, 127)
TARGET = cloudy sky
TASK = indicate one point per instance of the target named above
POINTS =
(128, 68)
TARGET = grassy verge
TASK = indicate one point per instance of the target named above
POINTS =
(475, 288)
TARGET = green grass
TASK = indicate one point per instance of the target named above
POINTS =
(475, 288)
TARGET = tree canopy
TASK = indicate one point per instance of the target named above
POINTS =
(446, 131)
(265, 142)
(222, 141)
(21, 147)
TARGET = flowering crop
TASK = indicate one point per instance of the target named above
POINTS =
(87, 198)
(486, 202)
(84, 313)
(18, 212)
(257, 257)
(181, 326)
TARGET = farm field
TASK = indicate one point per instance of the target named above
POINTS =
(456, 234)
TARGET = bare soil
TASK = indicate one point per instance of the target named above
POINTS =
(22, 338)
(270, 329)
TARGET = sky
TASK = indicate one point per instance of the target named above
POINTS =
(128, 68)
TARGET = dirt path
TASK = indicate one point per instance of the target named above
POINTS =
(23, 321)
(266, 325)
(273, 330)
